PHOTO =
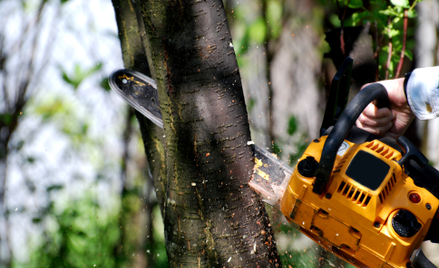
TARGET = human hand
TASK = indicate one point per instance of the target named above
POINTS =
(392, 121)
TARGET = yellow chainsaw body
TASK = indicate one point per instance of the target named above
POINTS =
(354, 221)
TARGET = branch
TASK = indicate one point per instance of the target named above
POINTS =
(401, 58)
(342, 43)
(389, 57)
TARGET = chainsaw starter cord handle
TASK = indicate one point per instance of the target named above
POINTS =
(342, 128)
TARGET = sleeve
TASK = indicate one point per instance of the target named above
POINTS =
(422, 92)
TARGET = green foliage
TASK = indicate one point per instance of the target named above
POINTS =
(304, 254)
(355, 4)
(255, 29)
(105, 84)
(133, 205)
(388, 23)
(300, 142)
(276, 148)
(292, 125)
(54, 187)
(301, 147)
(84, 234)
(80, 235)
(5, 119)
(251, 104)
(158, 248)
(274, 13)
(65, 114)
(79, 74)
(400, 3)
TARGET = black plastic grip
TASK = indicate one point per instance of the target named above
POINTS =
(342, 128)
(419, 260)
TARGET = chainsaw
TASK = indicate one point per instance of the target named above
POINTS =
(371, 201)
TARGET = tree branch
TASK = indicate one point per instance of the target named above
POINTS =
(401, 58)
(389, 57)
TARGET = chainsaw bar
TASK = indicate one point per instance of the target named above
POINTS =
(139, 91)
(270, 175)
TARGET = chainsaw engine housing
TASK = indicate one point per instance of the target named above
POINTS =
(370, 213)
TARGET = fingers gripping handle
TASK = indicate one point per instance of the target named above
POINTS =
(342, 128)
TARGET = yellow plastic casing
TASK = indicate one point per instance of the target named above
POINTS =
(353, 221)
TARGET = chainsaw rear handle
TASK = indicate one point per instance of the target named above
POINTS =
(342, 128)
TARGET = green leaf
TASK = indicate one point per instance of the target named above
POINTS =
(105, 85)
(276, 149)
(356, 4)
(335, 20)
(391, 68)
(257, 31)
(357, 17)
(79, 75)
(67, 79)
(30, 159)
(400, 3)
(411, 14)
(301, 147)
(408, 54)
(51, 107)
(274, 12)
(241, 44)
(251, 104)
(292, 125)
(389, 12)
(19, 145)
(393, 33)
(6, 118)
(54, 187)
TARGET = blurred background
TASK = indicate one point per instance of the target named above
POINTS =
(75, 189)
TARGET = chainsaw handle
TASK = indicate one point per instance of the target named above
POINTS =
(342, 128)
(419, 260)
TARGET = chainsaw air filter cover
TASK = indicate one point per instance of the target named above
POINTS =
(368, 170)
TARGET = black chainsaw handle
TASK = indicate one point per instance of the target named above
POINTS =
(419, 260)
(342, 128)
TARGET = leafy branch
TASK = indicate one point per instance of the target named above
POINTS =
(391, 21)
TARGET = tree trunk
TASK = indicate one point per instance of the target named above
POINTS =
(212, 218)
(134, 57)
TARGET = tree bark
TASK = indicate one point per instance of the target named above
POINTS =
(212, 218)
(134, 57)
(131, 35)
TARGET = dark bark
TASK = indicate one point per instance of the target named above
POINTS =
(140, 221)
(212, 217)
(134, 57)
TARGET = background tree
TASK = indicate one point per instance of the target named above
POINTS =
(15, 89)
(65, 143)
